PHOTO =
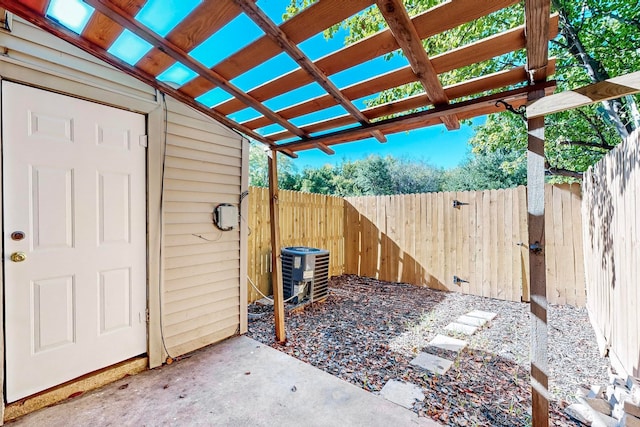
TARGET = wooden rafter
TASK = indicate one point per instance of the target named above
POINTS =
(537, 27)
(102, 31)
(39, 20)
(120, 16)
(616, 87)
(482, 84)
(199, 25)
(409, 41)
(309, 22)
(465, 89)
(38, 6)
(278, 36)
(481, 50)
(368, 87)
(412, 121)
(439, 19)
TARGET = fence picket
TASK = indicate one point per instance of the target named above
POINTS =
(422, 239)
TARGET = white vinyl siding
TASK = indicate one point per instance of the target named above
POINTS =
(203, 166)
(196, 286)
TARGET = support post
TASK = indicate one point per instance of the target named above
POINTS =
(535, 206)
(276, 261)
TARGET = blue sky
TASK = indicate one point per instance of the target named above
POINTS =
(435, 144)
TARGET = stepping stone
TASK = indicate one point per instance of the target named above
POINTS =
(461, 329)
(432, 363)
(403, 394)
(447, 343)
(264, 301)
(486, 315)
(471, 321)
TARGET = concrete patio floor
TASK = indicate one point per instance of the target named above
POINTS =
(239, 382)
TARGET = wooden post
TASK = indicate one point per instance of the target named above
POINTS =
(535, 203)
(276, 262)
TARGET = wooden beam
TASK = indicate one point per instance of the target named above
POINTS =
(419, 119)
(38, 6)
(120, 16)
(69, 36)
(433, 21)
(481, 110)
(479, 85)
(206, 19)
(478, 51)
(325, 149)
(309, 22)
(614, 88)
(409, 41)
(279, 36)
(103, 31)
(276, 261)
(537, 267)
(464, 89)
(381, 137)
(502, 79)
(359, 90)
(537, 29)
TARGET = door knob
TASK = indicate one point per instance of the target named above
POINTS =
(18, 256)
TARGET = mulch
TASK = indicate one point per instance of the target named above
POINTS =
(367, 332)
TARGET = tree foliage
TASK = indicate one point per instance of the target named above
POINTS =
(487, 170)
(373, 175)
(259, 168)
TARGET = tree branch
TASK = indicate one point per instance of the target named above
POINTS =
(562, 172)
(588, 144)
(594, 125)
(557, 43)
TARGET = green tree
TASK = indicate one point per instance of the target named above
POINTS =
(373, 176)
(411, 176)
(288, 178)
(487, 170)
(319, 181)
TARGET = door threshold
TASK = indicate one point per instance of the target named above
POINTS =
(75, 387)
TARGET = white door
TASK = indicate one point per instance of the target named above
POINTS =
(74, 209)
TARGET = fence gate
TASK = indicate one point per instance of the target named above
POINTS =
(469, 242)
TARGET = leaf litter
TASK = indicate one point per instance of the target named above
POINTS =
(368, 331)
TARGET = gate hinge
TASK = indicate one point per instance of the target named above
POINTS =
(144, 141)
(146, 314)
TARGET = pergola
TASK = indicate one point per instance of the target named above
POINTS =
(438, 104)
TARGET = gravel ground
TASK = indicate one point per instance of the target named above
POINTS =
(368, 331)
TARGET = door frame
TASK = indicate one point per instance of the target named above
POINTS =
(151, 106)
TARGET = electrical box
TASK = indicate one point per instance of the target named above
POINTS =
(225, 216)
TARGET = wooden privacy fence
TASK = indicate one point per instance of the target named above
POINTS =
(312, 220)
(470, 242)
(612, 244)
(424, 240)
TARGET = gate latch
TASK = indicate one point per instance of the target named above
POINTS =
(536, 248)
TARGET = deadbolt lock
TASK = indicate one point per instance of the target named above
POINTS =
(18, 256)
(17, 235)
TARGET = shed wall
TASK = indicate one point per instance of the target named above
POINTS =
(193, 282)
(203, 166)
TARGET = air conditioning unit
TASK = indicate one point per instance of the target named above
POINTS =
(305, 274)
